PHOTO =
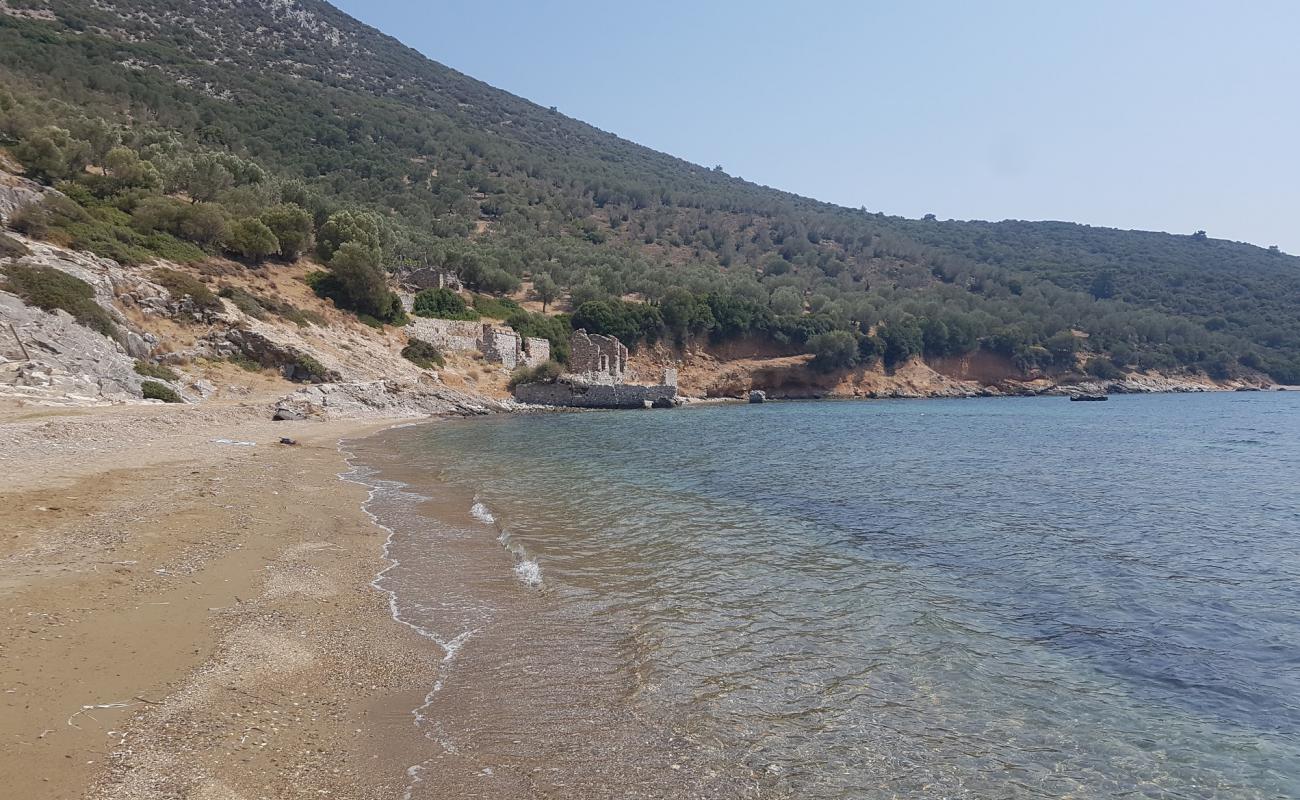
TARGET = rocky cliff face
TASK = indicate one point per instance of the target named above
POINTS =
(16, 192)
(47, 358)
(704, 374)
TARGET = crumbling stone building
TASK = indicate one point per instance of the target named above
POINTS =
(597, 359)
(595, 379)
(499, 345)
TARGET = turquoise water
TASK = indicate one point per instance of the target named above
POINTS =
(972, 598)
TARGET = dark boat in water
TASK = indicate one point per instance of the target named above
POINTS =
(1089, 398)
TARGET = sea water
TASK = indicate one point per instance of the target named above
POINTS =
(997, 598)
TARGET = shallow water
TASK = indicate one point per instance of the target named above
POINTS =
(976, 598)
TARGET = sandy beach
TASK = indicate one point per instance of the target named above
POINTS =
(186, 611)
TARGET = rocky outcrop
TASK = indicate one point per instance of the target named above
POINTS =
(294, 362)
(16, 192)
(386, 399)
(1139, 383)
(53, 358)
(109, 279)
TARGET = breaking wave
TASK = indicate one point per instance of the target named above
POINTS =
(481, 513)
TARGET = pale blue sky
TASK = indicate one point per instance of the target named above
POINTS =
(1157, 115)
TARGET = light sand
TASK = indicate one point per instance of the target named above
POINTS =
(182, 617)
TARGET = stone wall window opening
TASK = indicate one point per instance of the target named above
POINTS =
(604, 363)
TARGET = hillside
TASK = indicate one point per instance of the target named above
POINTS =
(253, 129)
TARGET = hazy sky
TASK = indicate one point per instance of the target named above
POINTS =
(1157, 115)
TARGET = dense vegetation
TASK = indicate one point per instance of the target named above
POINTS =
(266, 130)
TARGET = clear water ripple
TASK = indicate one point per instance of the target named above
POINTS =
(964, 599)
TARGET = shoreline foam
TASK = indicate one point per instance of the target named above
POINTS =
(376, 488)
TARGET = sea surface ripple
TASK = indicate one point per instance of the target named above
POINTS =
(963, 599)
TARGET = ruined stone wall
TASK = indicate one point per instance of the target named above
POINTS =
(429, 278)
(449, 335)
(536, 351)
(597, 358)
(593, 395)
(502, 345)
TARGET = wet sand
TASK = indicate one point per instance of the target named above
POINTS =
(183, 617)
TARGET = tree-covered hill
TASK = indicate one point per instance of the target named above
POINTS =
(288, 121)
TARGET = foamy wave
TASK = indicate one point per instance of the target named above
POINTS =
(481, 513)
(391, 490)
(529, 573)
(413, 773)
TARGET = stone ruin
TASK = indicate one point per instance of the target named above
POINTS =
(499, 345)
(597, 359)
(425, 277)
(506, 347)
(596, 379)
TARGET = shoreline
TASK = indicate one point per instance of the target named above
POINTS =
(530, 699)
(189, 614)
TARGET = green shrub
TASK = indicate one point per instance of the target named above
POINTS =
(244, 301)
(48, 288)
(38, 219)
(314, 370)
(495, 307)
(423, 354)
(628, 322)
(442, 304)
(181, 284)
(52, 152)
(168, 247)
(244, 362)
(365, 229)
(358, 283)
(152, 370)
(900, 341)
(12, 248)
(292, 227)
(834, 350)
(1103, 368)
(546, 372)
(157, 391)
(102, 230)
(870, 348)
(260, 306)
(252, 239)
(318, 280)
(202, 223)
(555, 330)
